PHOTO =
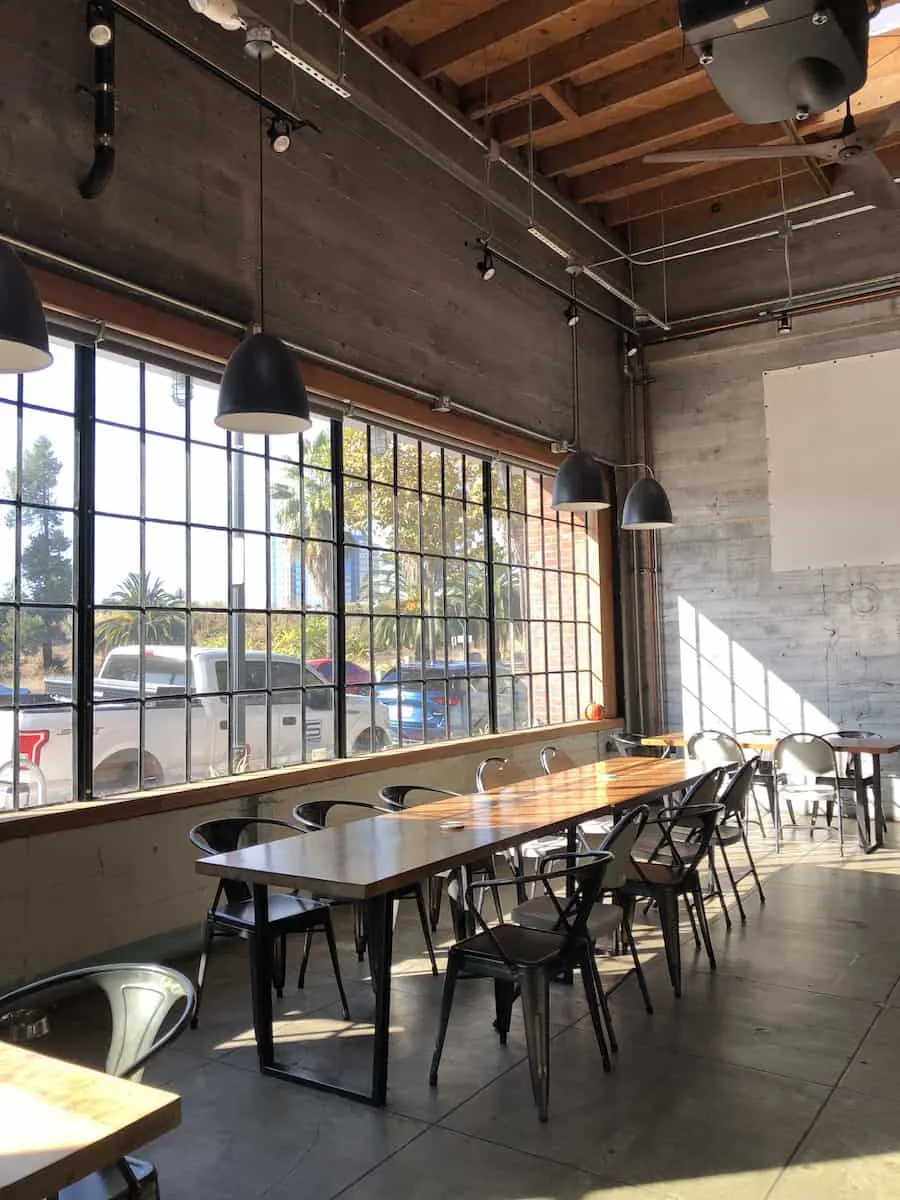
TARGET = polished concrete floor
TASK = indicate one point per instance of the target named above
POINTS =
(776, 1076)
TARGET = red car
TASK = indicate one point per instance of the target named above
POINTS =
(355, 675)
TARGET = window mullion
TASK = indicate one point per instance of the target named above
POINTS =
(491, 614)
(339, 650)
(85, 405)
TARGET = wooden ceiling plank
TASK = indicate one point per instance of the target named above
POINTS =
(650, 26)
(691, 118)
(629, 178)
(561, 98)
(512, 128)
(509, 19)
(370, 16)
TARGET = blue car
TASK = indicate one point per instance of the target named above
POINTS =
(434, 702)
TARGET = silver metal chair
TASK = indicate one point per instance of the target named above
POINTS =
(806, 770)
(716, 749)
(113, 1018)
(552, 762)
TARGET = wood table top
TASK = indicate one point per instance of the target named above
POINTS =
(381, 854)
(749, 741)
(59, 1122)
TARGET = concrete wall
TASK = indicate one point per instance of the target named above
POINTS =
(365, 238)
(746, 648)
(128, 888)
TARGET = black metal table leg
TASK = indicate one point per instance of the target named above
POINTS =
(863, 829)
(380, 922)
(878, 802)
(380, 928)
(463, 921)
(567, 974)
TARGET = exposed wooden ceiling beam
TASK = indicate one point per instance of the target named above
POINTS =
(509, 19)
(372, 15)
(629, 178)
(651, 28)
(657, 130)
(562, 97)
(512, 128)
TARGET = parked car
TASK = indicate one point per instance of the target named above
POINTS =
(45, 736)
(355, 675)
(452, 702)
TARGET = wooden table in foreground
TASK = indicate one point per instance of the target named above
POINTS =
(368, 860)
(855, 747)
(60, 1122)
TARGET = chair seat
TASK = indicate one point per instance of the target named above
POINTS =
(541, 913)
(524, 947)
(596, 828)
(657, 874)
(538, 847)
(282, 909)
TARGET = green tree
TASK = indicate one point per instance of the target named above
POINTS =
(46, 563)
(121, 626)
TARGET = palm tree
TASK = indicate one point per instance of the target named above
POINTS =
(319, 509)
(139, 598)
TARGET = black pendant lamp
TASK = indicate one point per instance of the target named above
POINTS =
(24, 345)
(647, 506)
(582, 484)
(261, 390)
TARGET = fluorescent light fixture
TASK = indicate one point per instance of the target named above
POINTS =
(313, 72)
(548, 242)
(887, 21)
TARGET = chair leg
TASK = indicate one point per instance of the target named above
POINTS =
(426, 930)
(589, 980)
(491, 872)
(731, 878)
(604, 1003)
(359, 932)
(628, 934)
(694, 931)
(335, 962)
(279, 963)
(446, 1005)
(435, 896)
(504, 998)
(667, 902)
(717, 886)
(753, 870)
(209, 932)
(304, 961)
(759, 817)
(704, 924)
(535, 985)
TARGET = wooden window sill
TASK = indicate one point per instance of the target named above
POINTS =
(77, 815)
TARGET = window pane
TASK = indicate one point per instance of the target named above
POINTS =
(118, 388)
(382, 451)
(209, 486)
(165, 556)
(433, 585)
(117, 482)
(317, 444)
(407, 462)
(455, 533)
(165, 400)
(209, 568)
(286, 567)
(204, 404)
(453, 474)
(253, 471)
(408, 512)
(431, 468)
(53, 387)
(164, 478)
(432, 525)
(356, 578)
(117, 560)
(318, 504)
(356, 512)
(383, 581)
(319, 576)
(48, 459)
(356, 448)
(284, 499)
(474, 480)
(382, 516)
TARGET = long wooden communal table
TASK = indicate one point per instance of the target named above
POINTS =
(854, 747)
(368, 860)
(60, 1122)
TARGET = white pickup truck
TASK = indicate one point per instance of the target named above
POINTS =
(45, 737)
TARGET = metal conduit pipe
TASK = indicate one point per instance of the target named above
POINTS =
(185, 308)
(104, 116)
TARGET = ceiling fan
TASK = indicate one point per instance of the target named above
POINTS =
(857, 168)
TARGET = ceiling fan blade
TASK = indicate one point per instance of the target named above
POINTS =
(869, 180)
(887, 123)
(824, 151)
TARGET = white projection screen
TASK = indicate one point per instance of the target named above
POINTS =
(833, 438)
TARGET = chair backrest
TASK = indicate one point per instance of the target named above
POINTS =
(553, 760)
(714, 748)
(316, 814)
(395, 795)
(630, 745)
(804, 757)
(497, 772)
(704, 791)
(620, 842)
(142, 998)
(765, 756)
(736, 797)
(687, 856)
(222, 835)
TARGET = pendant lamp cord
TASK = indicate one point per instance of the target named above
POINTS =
(260, 294)
(573, 288)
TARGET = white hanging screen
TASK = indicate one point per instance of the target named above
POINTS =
(833, 444)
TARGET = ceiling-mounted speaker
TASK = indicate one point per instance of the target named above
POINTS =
(781, 60)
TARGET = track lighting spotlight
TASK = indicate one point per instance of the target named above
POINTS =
(279, 135)
(785, 324)
(486, 266)
(99, 23)
(572, 315)
(631, 348)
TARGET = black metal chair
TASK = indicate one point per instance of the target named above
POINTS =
(113, 1018)
(667, 882)
(522, 962)
(395, 796)
(606, 921)
(714, 749)
(232, 908)
(314, 815)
